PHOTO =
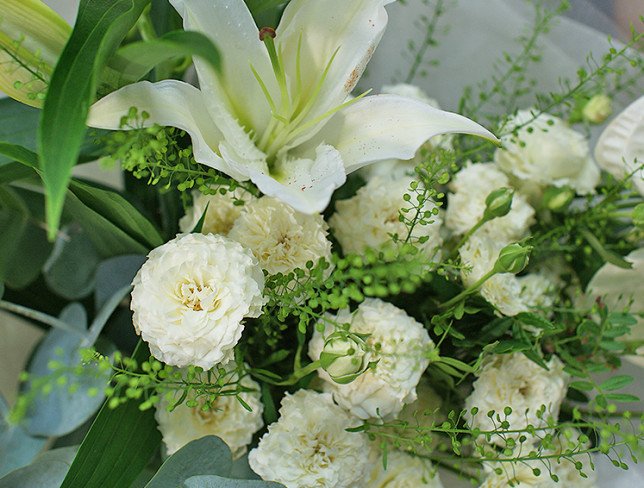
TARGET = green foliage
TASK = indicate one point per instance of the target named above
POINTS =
(100, 27)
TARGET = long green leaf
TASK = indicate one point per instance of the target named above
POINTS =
(118, 446)
(119, 211)
(136, 60)
(100, 27)
(20, 154)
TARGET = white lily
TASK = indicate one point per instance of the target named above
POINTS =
(280, 113)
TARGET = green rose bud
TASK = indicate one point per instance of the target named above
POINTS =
(498, 203)
(344, 357)
(557, 199)
(513, 258)
(32, 37)
(597, 109)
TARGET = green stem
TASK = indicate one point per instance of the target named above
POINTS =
(467, 235)
(469, 290)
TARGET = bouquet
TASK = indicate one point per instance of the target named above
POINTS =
(302, 283)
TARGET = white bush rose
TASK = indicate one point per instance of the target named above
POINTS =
(191, 296)
(221, 215)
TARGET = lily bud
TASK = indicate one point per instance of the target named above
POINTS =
(32, 37)
(513, 258)
(498, 203)
(344, 357)
(597, 109)
(557, 199)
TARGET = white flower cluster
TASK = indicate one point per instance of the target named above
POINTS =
(226, 418)
(513, 380)
(466, 204)
(371, 217)
(309, 445)
(397, 342)
(191, 296)
(546, 151)
(403, 471)
(281, 238)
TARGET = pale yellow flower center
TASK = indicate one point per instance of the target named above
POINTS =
(198, 296)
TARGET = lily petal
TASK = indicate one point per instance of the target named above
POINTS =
(353, 28)
(169, 103)
(306, 184)
(388, 127)
(230, 26)
(620, 148)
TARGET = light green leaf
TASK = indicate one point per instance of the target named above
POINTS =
(137, 59)
(616, 382)
(621, 397)
(206, 456)
(100, 27)
(582, 385)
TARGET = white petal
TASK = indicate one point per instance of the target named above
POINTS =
(169, 103)
(389, 127)
(231, 27)
(622, 142)
(354, 28)
(305, 184)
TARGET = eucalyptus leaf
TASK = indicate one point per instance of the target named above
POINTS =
(213, 481)
(118, 446)
(17, 448)
(100, 27)
(47, 471)
(61, 411)
(14, 218)
(206, 456)
(114, 274)
(71, 268)
(18, 125)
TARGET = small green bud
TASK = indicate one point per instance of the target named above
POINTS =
(513, 258)
(638, 216)
(498, 203)
(344, 356)
(558, 199)
(597, 109)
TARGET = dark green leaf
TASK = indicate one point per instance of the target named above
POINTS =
(206, 456)
(511, 345)
(534, 320)
(605, 254)
(118, 446)
(616, 382)
(20, 154)
(18, 124)
(100, 27)
(582, 385)
(119, 211)
(14, 218)
(535, 357)
(137, 59)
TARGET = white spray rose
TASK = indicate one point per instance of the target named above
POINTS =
(546, 151)
(503, 290)
(398, 343)
(368, 219)
(513, 380)
(221, 215)
(226, 418)
(466, 204)
(403, 471)
(309, 447)
(281, 238)
(191, 296)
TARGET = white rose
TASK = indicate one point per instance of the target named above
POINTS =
(309, 447)
(221, 215)
(620, 148)
(466, 204)
(513, 380)
(226, 418)
(503, 290)
(368, 219)
(538, 291)
(548, 152)
(397, 168)
(397, 342)
(191, 296)
(281, 238)
(403, 471)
